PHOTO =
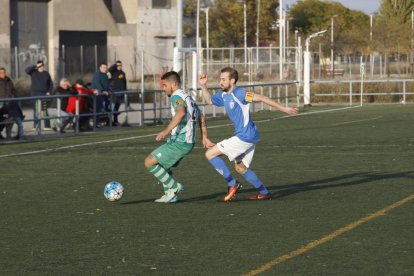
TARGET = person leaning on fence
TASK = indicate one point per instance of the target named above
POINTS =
(85, 104)
(100, 82)
(42, 85)
(64, 118)
(10, 112)
(118, 83)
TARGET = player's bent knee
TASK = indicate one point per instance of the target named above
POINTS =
(209, 154)
(240, 168)
(149, 161)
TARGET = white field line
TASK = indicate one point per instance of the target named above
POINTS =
(153, 134)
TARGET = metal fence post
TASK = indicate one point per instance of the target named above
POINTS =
(81, 59)
(58, 119)
(350, 93)
(142, 89)
(94, 111)
(286, 95)
(404, 91)
(77, 115)
(96, 55)
(16, 61)
(63, 61)
(126, 107)
(261, 93)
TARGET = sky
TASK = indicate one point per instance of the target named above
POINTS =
(367, 6)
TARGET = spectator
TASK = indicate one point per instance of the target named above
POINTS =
(65, 118)
(118, 83)
(12, 109)
(42, 85)
(85, 103)
(100, 82)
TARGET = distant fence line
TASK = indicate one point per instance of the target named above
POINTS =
(254, 64)
(141, 108)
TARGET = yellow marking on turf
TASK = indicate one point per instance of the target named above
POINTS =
(357, 121)
(327, 238)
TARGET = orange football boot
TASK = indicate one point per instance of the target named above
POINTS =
(232, 191)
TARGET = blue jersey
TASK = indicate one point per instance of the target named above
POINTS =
(237, 105)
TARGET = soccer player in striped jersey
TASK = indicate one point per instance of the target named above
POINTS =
(239, 148)
(185, 114)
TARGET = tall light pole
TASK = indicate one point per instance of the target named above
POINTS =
(178, 57)
(245, 31)
(332, 45)
(370, 27)
(245, 28)
(196, 56)
(257, 33)
(412, 37)
(281, 27)
(207, 32)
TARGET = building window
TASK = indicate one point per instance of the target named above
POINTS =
(161, 4)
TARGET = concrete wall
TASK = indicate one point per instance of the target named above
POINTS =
(78, 15)
(5, 34)
(156, 35)
(125, 11)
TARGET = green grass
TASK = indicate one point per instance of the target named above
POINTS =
(325, 170)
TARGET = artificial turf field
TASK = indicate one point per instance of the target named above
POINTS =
(325, 170)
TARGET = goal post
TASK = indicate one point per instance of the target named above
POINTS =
(186, 63)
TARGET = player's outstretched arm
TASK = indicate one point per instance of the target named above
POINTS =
(179, 115)
(274, 104)
(202, 80)
(203, 129)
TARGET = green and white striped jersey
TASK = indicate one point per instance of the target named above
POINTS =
(185, 131)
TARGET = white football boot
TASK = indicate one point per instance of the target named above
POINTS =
(171, 195)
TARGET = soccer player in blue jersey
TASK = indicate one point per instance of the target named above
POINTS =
(185, 114)
(239, 148)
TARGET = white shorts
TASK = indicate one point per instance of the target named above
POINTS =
(237, 150)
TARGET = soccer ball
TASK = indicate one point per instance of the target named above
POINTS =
(113, 191)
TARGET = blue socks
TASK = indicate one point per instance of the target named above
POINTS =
(249, 175)
(252, 178)
(222, 169)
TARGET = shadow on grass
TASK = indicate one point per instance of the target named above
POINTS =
(287, 190)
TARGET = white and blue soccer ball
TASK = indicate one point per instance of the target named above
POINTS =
(113, 191)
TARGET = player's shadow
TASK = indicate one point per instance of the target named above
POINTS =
(332, 182)
(280, 191)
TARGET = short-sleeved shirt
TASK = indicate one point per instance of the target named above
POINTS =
(185, 130)
(237, 105)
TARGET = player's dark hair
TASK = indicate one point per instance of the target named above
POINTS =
(232, 72)
(172, 76)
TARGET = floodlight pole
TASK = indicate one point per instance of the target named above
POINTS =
(196, 61)
(332, 45)
(179, 36)
(245, 28)
(281, 26)
(245, 31)
(306, 69)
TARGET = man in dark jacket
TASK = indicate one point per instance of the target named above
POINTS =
(100, 82)
(42, 85)
(11, 109)
(118, 83)
(64, 118)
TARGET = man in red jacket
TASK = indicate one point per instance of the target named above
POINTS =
(84, 107)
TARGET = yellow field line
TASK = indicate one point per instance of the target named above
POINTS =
(364, 120)
(327, 238)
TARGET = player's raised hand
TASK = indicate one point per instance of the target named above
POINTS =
(203, 80)
(291, 110)
(207, 143)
